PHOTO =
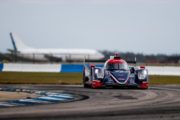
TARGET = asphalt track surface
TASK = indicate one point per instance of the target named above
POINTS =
(156, 103)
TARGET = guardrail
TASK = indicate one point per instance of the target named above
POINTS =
(68, 68)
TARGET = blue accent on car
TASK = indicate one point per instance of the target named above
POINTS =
(121, 76)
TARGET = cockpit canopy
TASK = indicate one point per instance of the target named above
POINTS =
(116, 64)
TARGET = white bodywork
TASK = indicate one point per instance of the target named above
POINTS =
(45, 54)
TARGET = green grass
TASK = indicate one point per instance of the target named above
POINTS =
(158, 79)
(66, 78)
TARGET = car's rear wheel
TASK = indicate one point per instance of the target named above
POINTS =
(86, 85)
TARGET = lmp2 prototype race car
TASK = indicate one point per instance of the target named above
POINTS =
(115, 73)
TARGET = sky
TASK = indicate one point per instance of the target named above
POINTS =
(140, 26)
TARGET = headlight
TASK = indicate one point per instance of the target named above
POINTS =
(142, 74)
(99, 73)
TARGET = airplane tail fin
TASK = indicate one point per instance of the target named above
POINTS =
(18, 45)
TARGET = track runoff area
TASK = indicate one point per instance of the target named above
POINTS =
(157, 102)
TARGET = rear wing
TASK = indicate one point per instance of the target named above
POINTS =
(133, 61)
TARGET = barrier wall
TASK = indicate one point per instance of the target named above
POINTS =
(1, 67)
(12, 67)
(163, 70)
(153, 70)
(71, 68)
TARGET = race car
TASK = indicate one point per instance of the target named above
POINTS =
(115, 73)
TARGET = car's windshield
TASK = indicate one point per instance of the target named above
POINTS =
(117, 66)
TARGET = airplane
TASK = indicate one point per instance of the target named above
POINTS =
(50, 54)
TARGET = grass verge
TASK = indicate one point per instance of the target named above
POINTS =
(66, 78)
(162, 79)
(39, 78)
